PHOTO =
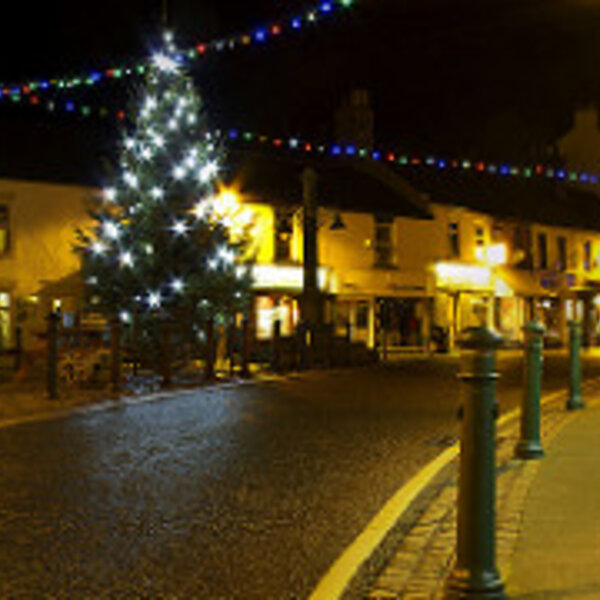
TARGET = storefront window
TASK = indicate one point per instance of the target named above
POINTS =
(269, 310)
(362, 315)
(4, 320)
(264, 317)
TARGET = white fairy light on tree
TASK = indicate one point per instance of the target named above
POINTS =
(158, 217)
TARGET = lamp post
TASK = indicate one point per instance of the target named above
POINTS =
(311, 305)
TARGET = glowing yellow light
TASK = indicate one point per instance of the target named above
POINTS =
(493, 255)
(227, 202)
(286, 277)
(496, 254)
(460, 276)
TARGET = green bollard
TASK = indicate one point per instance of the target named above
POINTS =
(276, 347)
(475, 574)
(575, 400)
(529, 444)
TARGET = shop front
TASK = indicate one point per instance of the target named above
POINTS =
(464, 298)
(277, 291)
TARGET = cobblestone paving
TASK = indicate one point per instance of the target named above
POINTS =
(425, 556)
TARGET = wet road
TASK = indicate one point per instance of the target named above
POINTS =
(248, 492)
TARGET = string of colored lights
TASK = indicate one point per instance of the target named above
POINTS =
(501, 169)
(259, 35)
(410, 160)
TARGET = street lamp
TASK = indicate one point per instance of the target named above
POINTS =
(312, 302)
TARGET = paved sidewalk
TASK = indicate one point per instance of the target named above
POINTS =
(548, 518)
(21, 402)
(558, 551)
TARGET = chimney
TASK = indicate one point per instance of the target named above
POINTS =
(354, 120)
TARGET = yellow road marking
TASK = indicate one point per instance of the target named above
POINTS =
(337, 578)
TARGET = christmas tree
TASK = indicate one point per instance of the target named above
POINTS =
(163, 242)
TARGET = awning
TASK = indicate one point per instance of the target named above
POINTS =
(525, 283)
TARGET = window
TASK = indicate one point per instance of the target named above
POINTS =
(4, 230)
(542, 248)
(587, 255)
(283, 235)
(362, 315)
(4, 319)
(454, 239)
(479, 236)
(561, 248)
(523, 247)
(384, 250)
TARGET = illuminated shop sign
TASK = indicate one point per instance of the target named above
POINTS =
(286, 277)
(458, 276)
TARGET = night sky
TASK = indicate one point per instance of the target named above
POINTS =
(492, 79)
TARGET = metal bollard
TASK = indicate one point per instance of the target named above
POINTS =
(475, 574)
(115, 355)
(245, 366)
(209, 357)
(575, 400)
(276, 347)
(529, 444)
(52, 356)
(18, 349)
(165, 352)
